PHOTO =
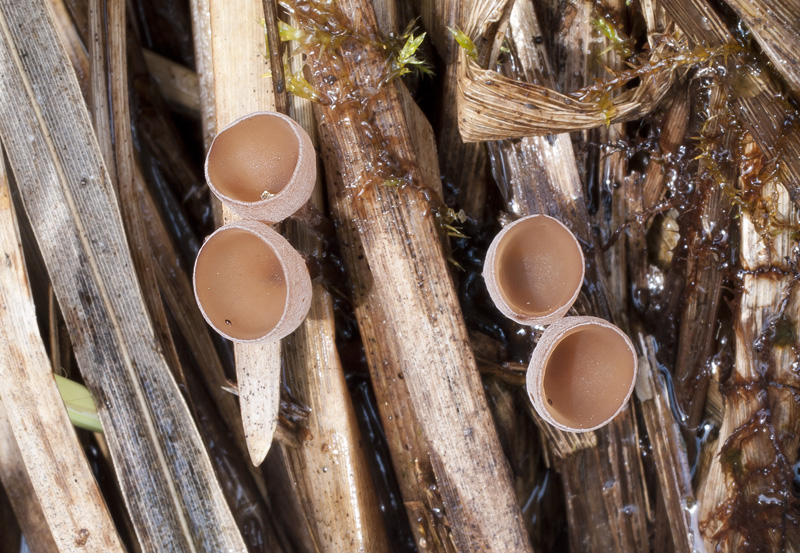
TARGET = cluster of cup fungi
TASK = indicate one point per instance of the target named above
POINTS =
(583, 369)
(252, 286)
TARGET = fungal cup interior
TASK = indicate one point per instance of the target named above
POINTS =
(241, 284)
(539, 267)
(256, 155)
(588, 376)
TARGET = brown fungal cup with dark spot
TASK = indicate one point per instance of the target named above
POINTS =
(262, 166)
(250, 284)
(582, 373)
(534, 270)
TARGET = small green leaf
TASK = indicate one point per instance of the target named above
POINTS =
(79, 403)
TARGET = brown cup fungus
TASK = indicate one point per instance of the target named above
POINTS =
(582, 373)
(250, 284)
(262, 166)
(534, 270)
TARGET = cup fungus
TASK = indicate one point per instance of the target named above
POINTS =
(262, 166)
(534, 270)
(250, 284)
(582, 373)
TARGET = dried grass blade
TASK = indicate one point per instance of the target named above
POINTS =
(202, 37)
(178, 84)
(764, 114)
(165, 474)
(776, 26)
(24, 501)
(673, 132)
(493, 106)
(332, 477)
(539, 175)
(669, 453)
(331, 474)
(410, 278)
(173, 282)
(751, 470)
(406, 443)
(464, 163)
(72, 503)
(231, 46)
(258, 374)
(707, 250)
(112, 40)
(176, 288)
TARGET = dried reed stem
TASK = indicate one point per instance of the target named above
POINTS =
(164, 471)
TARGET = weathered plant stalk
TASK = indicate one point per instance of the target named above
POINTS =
(539, 175)
(611, 175)
(493, 106)
(69, 497)
(410, 277)
(332, 479)
(746, 497)
(177, 83)
(669, 453)
(762, 113)
(176, 290)
(164, 471)
(230, 46)
(241, 484)
(673, 132)
(165, 160)
(330, 471)
(204, 65)
(776, 26)
(110, 83)
(24, 501)
(463, 163)
(705, 243)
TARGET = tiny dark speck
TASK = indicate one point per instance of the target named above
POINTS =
(228, 322)
(538, 40)
(550, 401)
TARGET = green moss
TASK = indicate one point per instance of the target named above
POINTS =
(321, 25)
(288, 33)
(465, 42)
(404, 59)
(618, 42)
(297, 84)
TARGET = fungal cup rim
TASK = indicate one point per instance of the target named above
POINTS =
(293, 286)
(259, 209)
(549, 341)
(499, 296)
